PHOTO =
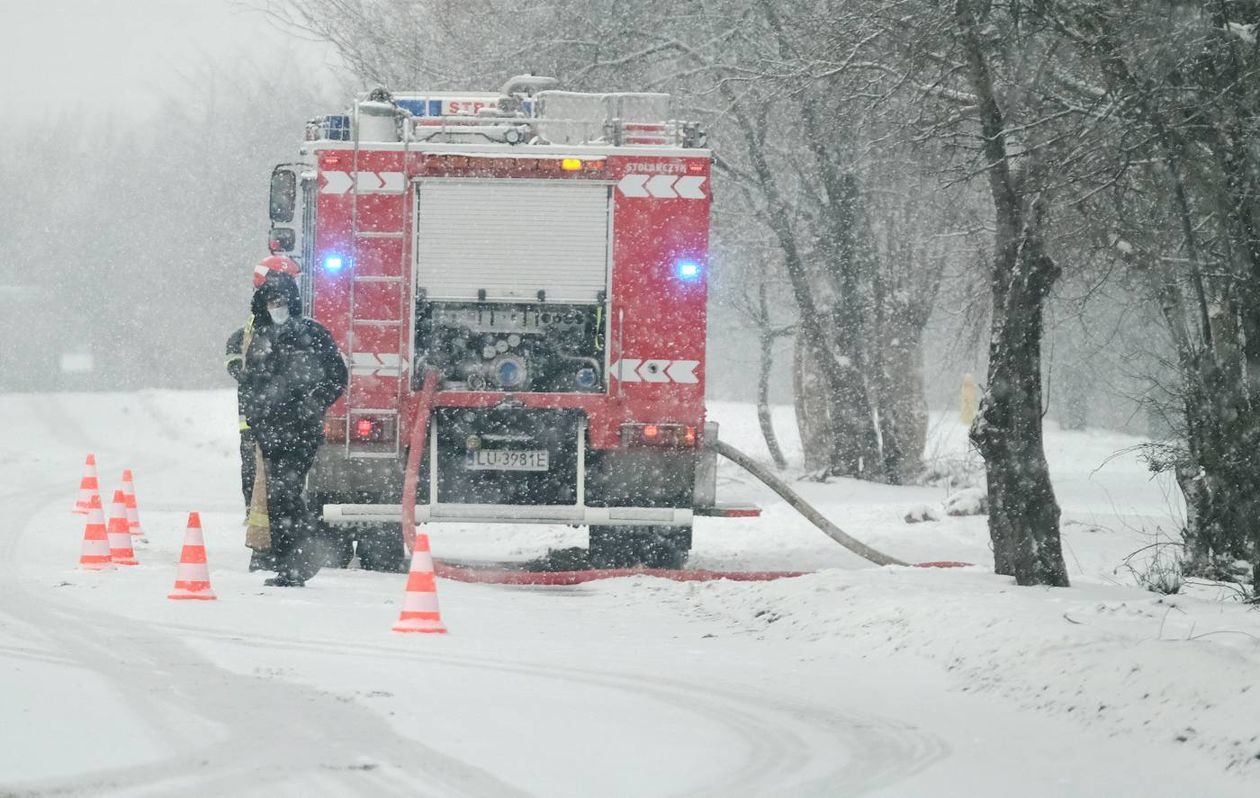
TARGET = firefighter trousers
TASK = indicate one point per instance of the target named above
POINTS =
(292, 527)
(248, 463)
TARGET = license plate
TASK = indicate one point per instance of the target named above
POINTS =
(508, 460)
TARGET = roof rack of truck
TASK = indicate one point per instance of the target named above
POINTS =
(640, 119)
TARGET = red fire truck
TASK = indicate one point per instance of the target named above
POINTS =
(546, 253)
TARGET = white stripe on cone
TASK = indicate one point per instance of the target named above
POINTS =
(133, 512)
(86, 489)
(120, 550)
(420, 602)
(192, 572)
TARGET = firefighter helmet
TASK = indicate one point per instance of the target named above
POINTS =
(274, 263)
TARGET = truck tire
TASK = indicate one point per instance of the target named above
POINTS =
(381, 548)
(333, 551)
(663, 547)
(613, 547)
(334, 545)
(667, 547)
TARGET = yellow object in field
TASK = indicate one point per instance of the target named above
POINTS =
(969, 400)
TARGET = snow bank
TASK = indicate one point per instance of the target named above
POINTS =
(1127, 662)
(1122, 661)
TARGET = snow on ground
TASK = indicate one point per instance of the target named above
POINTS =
(853, 680)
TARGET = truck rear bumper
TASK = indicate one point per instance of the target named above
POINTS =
(515, 514)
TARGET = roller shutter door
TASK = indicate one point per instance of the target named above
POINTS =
(512, 239)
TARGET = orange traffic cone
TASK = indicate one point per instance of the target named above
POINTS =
(420, 605)
(120, 550)
(129, 493)
(95, 553)
(192, 581)
(88, 485)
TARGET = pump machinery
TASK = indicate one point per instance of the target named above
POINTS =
(546, 253)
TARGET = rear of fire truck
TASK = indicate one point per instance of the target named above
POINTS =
(545, 252)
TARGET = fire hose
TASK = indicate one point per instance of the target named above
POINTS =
(411, 476)
(800, 505)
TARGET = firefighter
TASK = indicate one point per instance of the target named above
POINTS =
(293, 373)
(236, 368)
(237, 343)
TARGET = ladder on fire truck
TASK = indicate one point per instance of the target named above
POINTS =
(378, 265)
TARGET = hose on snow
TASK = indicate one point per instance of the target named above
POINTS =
(804, 508)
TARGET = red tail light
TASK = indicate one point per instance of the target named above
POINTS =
(373, 433)
(668, 436)
(369, 430)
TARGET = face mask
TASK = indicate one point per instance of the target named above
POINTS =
(279, 315)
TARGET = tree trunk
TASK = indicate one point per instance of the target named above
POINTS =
(855, 439)
(855, 447)
(896, 363)
(763, 399)
(809, 390)
(903, 411)
(1023, 513)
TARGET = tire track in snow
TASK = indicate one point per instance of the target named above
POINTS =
(772, 729)
(775, 734)
(187, 699)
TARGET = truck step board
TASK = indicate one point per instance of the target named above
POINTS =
(516, 514)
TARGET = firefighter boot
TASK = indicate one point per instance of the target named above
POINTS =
(285, 579)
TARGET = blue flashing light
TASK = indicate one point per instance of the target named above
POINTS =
(333, 263)
(687, 270)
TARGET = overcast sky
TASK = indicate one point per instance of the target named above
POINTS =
(99, 54)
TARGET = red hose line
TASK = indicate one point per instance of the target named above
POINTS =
(481, 575)
(507, 576)
(419, 434)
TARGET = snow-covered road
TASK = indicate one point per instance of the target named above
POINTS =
(826, 685)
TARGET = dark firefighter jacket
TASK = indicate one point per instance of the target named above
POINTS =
(236, 368)
(293, 371)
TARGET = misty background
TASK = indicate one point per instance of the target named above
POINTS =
(134, 206)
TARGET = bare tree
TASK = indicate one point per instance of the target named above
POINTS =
(1186, 220)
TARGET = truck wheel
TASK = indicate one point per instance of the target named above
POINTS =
(334, 545)
(614, 547)
(381, 548)
(333, 551)
(638, 546)
(666, 547)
